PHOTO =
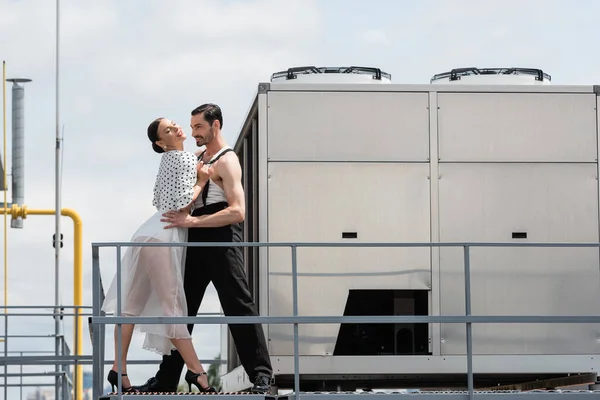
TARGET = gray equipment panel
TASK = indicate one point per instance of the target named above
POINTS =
(517, 127)
(335, 126)
(547, 203)
(350, 198)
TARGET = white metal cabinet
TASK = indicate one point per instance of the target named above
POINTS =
(317, 202)
(517, 127)
(548, 202)
(346, 126)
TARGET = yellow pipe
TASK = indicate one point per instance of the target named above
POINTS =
(22, 212)
(5, 188)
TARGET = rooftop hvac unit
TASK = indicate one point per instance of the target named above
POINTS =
(313, 74)
(494, 76)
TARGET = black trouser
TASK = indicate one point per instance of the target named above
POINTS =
(224, 266)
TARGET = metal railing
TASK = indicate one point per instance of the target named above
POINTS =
(64, 361)
(63, 378)
(99, 320)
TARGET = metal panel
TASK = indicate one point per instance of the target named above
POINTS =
(434, 301)
(424, 88)
(346, 126)
(262, 195)
(320, 201)
(598, 144)
(425, 365)
(548, 202)
(517, 127)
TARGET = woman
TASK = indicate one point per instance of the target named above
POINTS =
(152, 277)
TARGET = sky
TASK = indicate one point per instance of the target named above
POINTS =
(125, 62)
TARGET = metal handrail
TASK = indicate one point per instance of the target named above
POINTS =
(98, 321)
(40, 358)
(51, 358)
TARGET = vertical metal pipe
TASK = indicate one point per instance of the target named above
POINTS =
(295, 307)
(18, 146)
(18, 129)
(57, 201)
(467, 260)
(18, 168)
(5, 206)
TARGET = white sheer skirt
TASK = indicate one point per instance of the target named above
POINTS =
(152, 284)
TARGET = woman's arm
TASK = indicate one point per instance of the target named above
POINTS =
(185, 187)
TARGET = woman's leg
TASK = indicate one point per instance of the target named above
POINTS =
(188, 353)
(133, 304)
(126, 334)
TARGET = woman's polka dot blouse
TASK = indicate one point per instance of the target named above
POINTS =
(174, 187)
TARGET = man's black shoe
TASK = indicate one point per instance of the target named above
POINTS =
(262, 384)
(153, 385)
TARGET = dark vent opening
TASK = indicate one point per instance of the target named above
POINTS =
(519, 235)
(384, 339)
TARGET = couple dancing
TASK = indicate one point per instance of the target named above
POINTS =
(199, 198)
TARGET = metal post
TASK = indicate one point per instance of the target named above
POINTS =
(101, 329)
(295, 309)
(20, 379)
(467, 260)
(57, 201)
(5, 353)
(5, 206)
(119, 326)
(97, 370)
(66, 368)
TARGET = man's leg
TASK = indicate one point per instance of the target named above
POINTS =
(231, 284)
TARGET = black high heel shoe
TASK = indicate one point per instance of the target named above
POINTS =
(113, 377)
(192, 379)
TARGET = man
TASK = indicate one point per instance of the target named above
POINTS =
(219, 210)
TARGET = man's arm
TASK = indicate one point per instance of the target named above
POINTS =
(231, 175)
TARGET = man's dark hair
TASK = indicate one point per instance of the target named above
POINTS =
(211, 113)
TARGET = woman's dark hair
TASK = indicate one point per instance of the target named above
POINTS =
(153, 135)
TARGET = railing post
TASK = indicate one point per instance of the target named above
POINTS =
(119, 327)
(5, 351)
(467, 261)
(295, 310)
(76, 377)
(66, 394)
(101, 329)
(97, 369)
(20, 380)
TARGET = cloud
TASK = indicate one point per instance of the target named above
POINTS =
(374, 37)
